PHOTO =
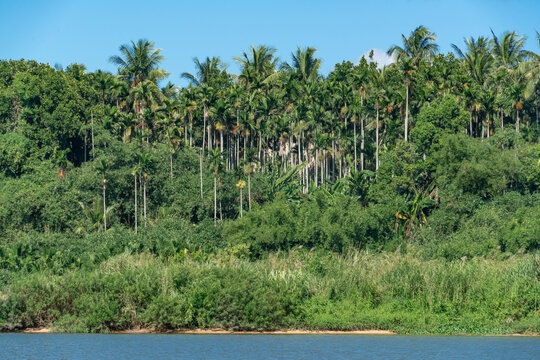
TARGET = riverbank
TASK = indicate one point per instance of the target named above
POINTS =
(327, 294)
(218, 331)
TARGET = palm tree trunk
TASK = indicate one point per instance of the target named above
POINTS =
(190, 130)
(144, 201)
(362, 144)
(209, 137)
(170, 158)
(333, 160)
(487, 124)
(377, 141)
(104, 208)
(215, 200)
(92, 116)
(200, 171)
(355, 158)
(241, 203)
(316, 166)
(470, 124)
(517, 120)
(135, 203)
(249, 190)
(221, 141)
(406, 112)
(205, 117)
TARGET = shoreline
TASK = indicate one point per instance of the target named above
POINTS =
(219, 331)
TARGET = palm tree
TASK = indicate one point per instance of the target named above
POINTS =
(138, 62)
(257, 65)
(419, 46)
(508, 51)
(304, 65)
(102, 167)
(477, 58)
(208, 72)
(479, 62)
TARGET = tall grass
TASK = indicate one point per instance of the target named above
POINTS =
(298, 289)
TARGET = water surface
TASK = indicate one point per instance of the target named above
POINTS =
(65, 346)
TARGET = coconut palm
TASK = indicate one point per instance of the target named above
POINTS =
(257, 65)
(208, 72)
(508, 51)
(138, 62)
(477, 58)
(304, 67)
(419, 46)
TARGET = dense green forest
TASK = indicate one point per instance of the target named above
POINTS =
(404, 197)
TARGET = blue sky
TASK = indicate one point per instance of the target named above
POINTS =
(89, 32)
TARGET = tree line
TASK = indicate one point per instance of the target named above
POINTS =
(281, 119)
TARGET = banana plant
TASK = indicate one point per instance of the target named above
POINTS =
(424, 200)
(286, 183)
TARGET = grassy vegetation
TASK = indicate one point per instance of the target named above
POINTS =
(297, 289)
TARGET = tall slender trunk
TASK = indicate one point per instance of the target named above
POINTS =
(517, 120)
(144, 200)
(190, 130)
(362, 143)
(249, 190)
(209, 137)
(355, 158)
(241, 203)
(135, 176)
(221, 142)
(200, 171)
(205, 117)
(333, 160)
(92, 116)
(377, 141)
(237, 135)
(470, 124)
(170, 158)
(215, 199)
(406, 111)
(487, 124)
(316, 166)
(104, 208)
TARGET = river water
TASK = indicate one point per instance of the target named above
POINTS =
(65, 346)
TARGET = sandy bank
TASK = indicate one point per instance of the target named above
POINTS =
(218, 331)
